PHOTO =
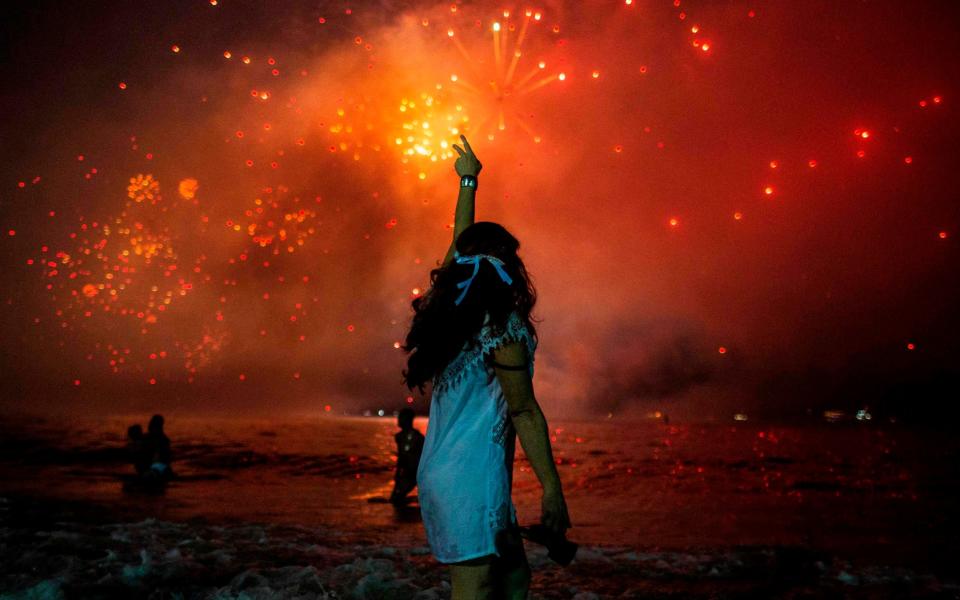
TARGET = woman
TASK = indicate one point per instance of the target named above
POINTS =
(472, 337)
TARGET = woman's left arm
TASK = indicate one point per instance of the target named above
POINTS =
(531, 427)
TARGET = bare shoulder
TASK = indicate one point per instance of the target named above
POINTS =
(515, 382)
(512, 353)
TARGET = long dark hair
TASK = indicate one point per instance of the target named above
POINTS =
(440, 328)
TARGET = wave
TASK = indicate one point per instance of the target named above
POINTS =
(103, 559)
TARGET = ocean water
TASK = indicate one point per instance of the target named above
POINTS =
(282, 508)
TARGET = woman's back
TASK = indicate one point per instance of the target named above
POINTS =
(465, 472)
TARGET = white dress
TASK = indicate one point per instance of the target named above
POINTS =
(466, 470)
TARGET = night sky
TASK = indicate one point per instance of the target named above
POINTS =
(226, 206)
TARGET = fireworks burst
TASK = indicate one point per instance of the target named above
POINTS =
(496, 91)
(429, 129)
(355, 131)
(122, 275)
(277, 221)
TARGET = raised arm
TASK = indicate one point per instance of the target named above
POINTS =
(532, 430)
(467, 164)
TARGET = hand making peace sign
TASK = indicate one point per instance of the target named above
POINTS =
(467, 163)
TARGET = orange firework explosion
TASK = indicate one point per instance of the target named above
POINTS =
(121, 275)
(277, 221)
(188, 188)
(495, 90)
(430, 128)
(354, 131)
(144, 188)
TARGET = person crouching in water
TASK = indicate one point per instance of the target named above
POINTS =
(409, 447)
(137, 450)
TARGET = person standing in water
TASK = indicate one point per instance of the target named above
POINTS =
(472, 337)
(409, 447)
(159, 447)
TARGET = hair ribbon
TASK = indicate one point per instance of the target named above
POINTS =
(475, 259)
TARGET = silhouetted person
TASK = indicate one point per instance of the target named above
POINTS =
(472, 338)
(158, 445)
(409, 447)
(137, 447)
